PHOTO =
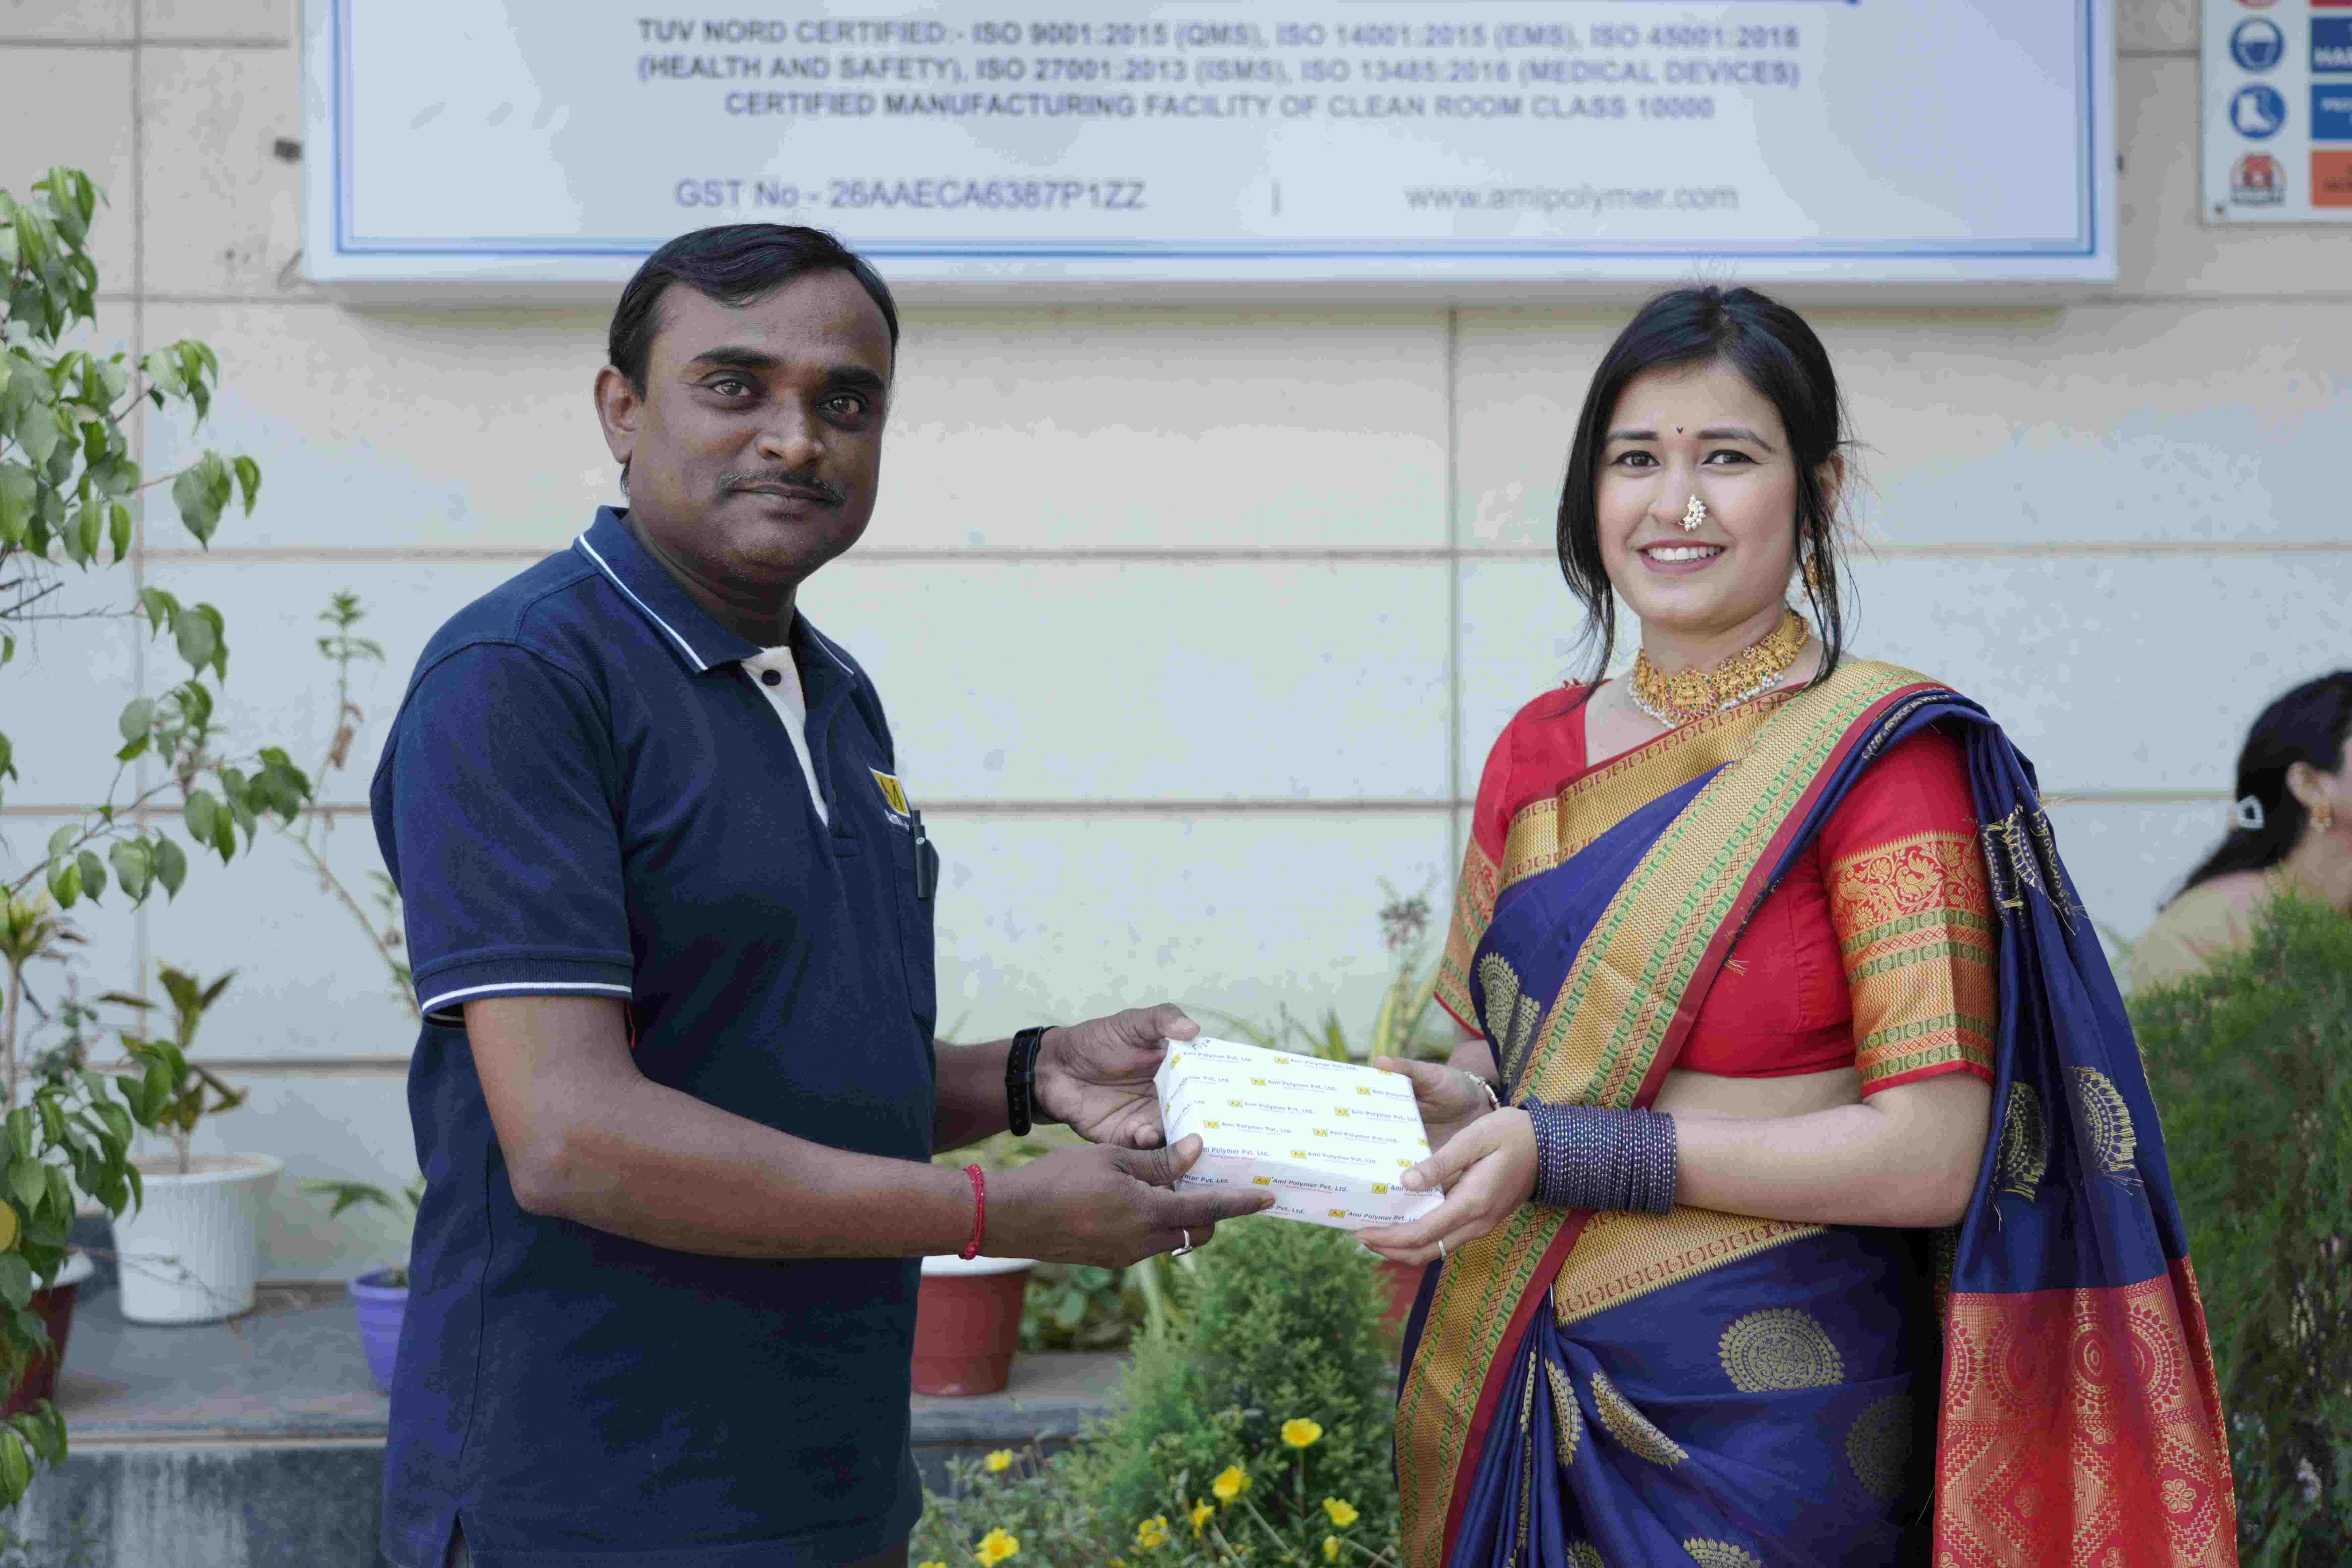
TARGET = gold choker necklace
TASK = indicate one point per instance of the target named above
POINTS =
(1678, 699)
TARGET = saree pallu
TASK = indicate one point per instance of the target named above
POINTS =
(2031, 1389)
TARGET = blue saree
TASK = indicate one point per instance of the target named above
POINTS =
(2030, 1389)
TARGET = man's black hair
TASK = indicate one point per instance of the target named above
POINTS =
(735, 264)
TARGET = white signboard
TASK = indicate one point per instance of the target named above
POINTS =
(2278, 111)
(1457, 143)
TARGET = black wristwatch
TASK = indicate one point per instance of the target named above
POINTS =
(1021, 1106)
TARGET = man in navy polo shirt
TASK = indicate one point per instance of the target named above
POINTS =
(670, 914)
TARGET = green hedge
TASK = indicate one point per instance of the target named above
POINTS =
(2251, 1066)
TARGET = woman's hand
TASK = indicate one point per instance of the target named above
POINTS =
(1488, 1170)
(1449, 1099)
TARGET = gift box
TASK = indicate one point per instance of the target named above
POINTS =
(1330, 1140)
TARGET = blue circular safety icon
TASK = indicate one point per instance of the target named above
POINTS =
(2257, 45)
(2257, 113)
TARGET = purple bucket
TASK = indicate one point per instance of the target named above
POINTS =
(380, 1308)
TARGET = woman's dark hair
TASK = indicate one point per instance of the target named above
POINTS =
(2307, 725)
(734, 264)
(1769, 346)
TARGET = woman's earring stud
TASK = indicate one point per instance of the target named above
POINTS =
(1693, 515)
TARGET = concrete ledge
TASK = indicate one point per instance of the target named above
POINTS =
(259, 1443)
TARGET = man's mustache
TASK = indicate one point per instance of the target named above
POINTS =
(781, 479)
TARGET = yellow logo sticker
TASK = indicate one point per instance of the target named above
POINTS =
(1212, 1126)
(1338, 1213)
(1235, 1103)
(1261, 1180)
(1259, 1081)
(892, 796)
(1339, 1111)
(1363, 1089)
(1320, 1133)
(1298, 1153)
(1379, 1189)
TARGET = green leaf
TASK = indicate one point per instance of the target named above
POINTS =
(61, 842)
(249, 480)
(93, 874)
(90, 532)
(194, 496)
(197, 812)
(39, 432)
(15, 1469)
(171, 865)
(138, 717)
(61, 1194)
(198, 636)
(18, 489)
(30, 1182)
(65, 882)
(21, 1126)
(133, 866)
(118, 526)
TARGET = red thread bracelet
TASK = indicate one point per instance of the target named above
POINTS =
(978, 1210)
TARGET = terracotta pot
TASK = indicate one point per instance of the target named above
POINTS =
(54, 1305)
(968, 1324)
(1402, 1283)
(381, 1305)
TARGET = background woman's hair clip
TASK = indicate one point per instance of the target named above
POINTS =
(2248, 815)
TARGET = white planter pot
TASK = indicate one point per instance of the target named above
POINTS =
(191, 1252)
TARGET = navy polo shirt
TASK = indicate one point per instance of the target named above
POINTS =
(585, 793)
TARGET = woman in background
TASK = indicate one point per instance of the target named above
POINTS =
(2293, 829)
(1756, 999)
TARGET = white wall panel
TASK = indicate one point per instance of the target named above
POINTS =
(222, 207)
(1070, 916)
(72, 107)
(279, 691)
(62, 695)
(2131, 674)
(2127, 856)
(1307, 428)
(308, 983)
(1062, 680)
(213, 21)
(325, 1128)
(406, 429)
(2173, 424)
(2142, 25)
(93, 19)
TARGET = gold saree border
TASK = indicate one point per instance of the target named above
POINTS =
(1603, 1044)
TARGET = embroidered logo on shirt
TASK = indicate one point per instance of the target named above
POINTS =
(893, 796)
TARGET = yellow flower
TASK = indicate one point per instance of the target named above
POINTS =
(996, 1546)
(1202, 1513)
(1232, 1484)
(999, 1461)
(1152, 1533)
(1301, 1433)
(1343, 1515)
(1331, 1548)
(933, 1563)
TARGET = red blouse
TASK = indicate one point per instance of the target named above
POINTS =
(1874, 952)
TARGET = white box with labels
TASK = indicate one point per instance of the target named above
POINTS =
(1330, 1140)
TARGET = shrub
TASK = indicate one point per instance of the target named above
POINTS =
(2251, 1065)
(1274, 1367)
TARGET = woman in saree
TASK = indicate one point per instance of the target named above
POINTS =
(1804, 1203)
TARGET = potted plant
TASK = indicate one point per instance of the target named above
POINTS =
(380, 1296)
(191, 1251)
(67, 484)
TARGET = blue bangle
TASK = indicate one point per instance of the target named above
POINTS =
(1591, 1158)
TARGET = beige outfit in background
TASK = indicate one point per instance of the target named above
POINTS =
(2199, 927)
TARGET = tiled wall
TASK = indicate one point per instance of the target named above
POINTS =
(1195, 624)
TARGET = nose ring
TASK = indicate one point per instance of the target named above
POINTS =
(1693, 515)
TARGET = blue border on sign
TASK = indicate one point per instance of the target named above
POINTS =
(347, 244)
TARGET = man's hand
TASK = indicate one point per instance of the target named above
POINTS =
(1096, 1076)
(1488, 1172)
(1448, 1098)
(1106, 1206)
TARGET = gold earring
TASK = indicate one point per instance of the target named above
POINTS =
(1693, 515)
(2324, 819)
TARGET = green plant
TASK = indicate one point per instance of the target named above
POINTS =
(1275, 1338)
(1401, 1027)
(172, 1091)
(2251, 1065)
(402, 1205)
(68, 483)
